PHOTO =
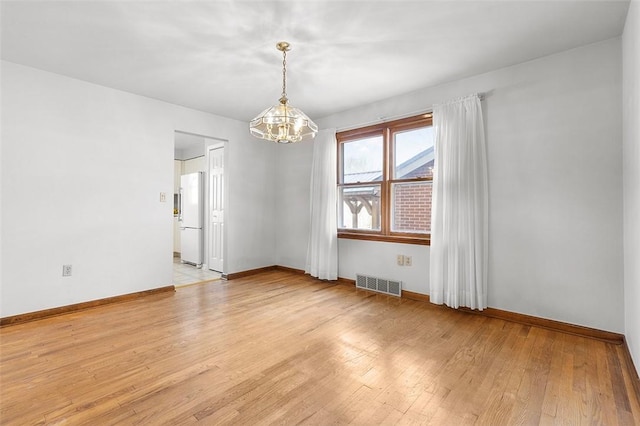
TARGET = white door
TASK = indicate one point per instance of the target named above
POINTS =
(216, 209)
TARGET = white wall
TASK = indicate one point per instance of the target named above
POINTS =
(554, 147)
(82, 169)
(631, 150)
(293, 175)
(378, 259)
(252, 193)
(193, 165)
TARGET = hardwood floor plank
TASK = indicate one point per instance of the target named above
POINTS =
(283, 348)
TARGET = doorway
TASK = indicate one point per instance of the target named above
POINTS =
(192, 155)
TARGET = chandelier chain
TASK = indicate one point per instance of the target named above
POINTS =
(284, 75)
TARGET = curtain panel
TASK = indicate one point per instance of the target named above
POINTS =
(322, 250)
(459, 223)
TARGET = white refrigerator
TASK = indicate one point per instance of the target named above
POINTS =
(191, 217)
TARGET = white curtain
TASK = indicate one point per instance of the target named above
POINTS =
(322, 251)
(459, 221)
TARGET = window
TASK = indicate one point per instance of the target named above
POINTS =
(385, 175)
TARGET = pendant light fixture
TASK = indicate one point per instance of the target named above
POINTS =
(283, 123)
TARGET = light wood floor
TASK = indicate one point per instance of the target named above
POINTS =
(286, 349)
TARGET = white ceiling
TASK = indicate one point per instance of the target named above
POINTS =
(187, 140)
(220, 56)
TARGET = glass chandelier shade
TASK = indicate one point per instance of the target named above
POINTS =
(283, 123)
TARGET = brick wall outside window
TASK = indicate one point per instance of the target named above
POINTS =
(412, 207)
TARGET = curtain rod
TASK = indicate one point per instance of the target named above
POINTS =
(384, 119)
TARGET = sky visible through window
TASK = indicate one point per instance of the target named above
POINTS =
(365, 155)
(412, 142)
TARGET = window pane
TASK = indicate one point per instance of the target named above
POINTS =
(359, 207)
(362, 160)
(411, 207)
(413, 153)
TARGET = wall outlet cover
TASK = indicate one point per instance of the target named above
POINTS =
(66, 270)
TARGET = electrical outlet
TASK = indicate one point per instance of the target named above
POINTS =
(400, 260)
(66, 270)
(408, 261)
(163, 197)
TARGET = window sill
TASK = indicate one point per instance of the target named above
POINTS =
(423, 241)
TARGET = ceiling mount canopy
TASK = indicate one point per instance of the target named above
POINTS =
(283, 123)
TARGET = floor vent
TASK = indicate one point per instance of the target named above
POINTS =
(381, 285)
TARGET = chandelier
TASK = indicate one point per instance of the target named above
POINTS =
(283, 123)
